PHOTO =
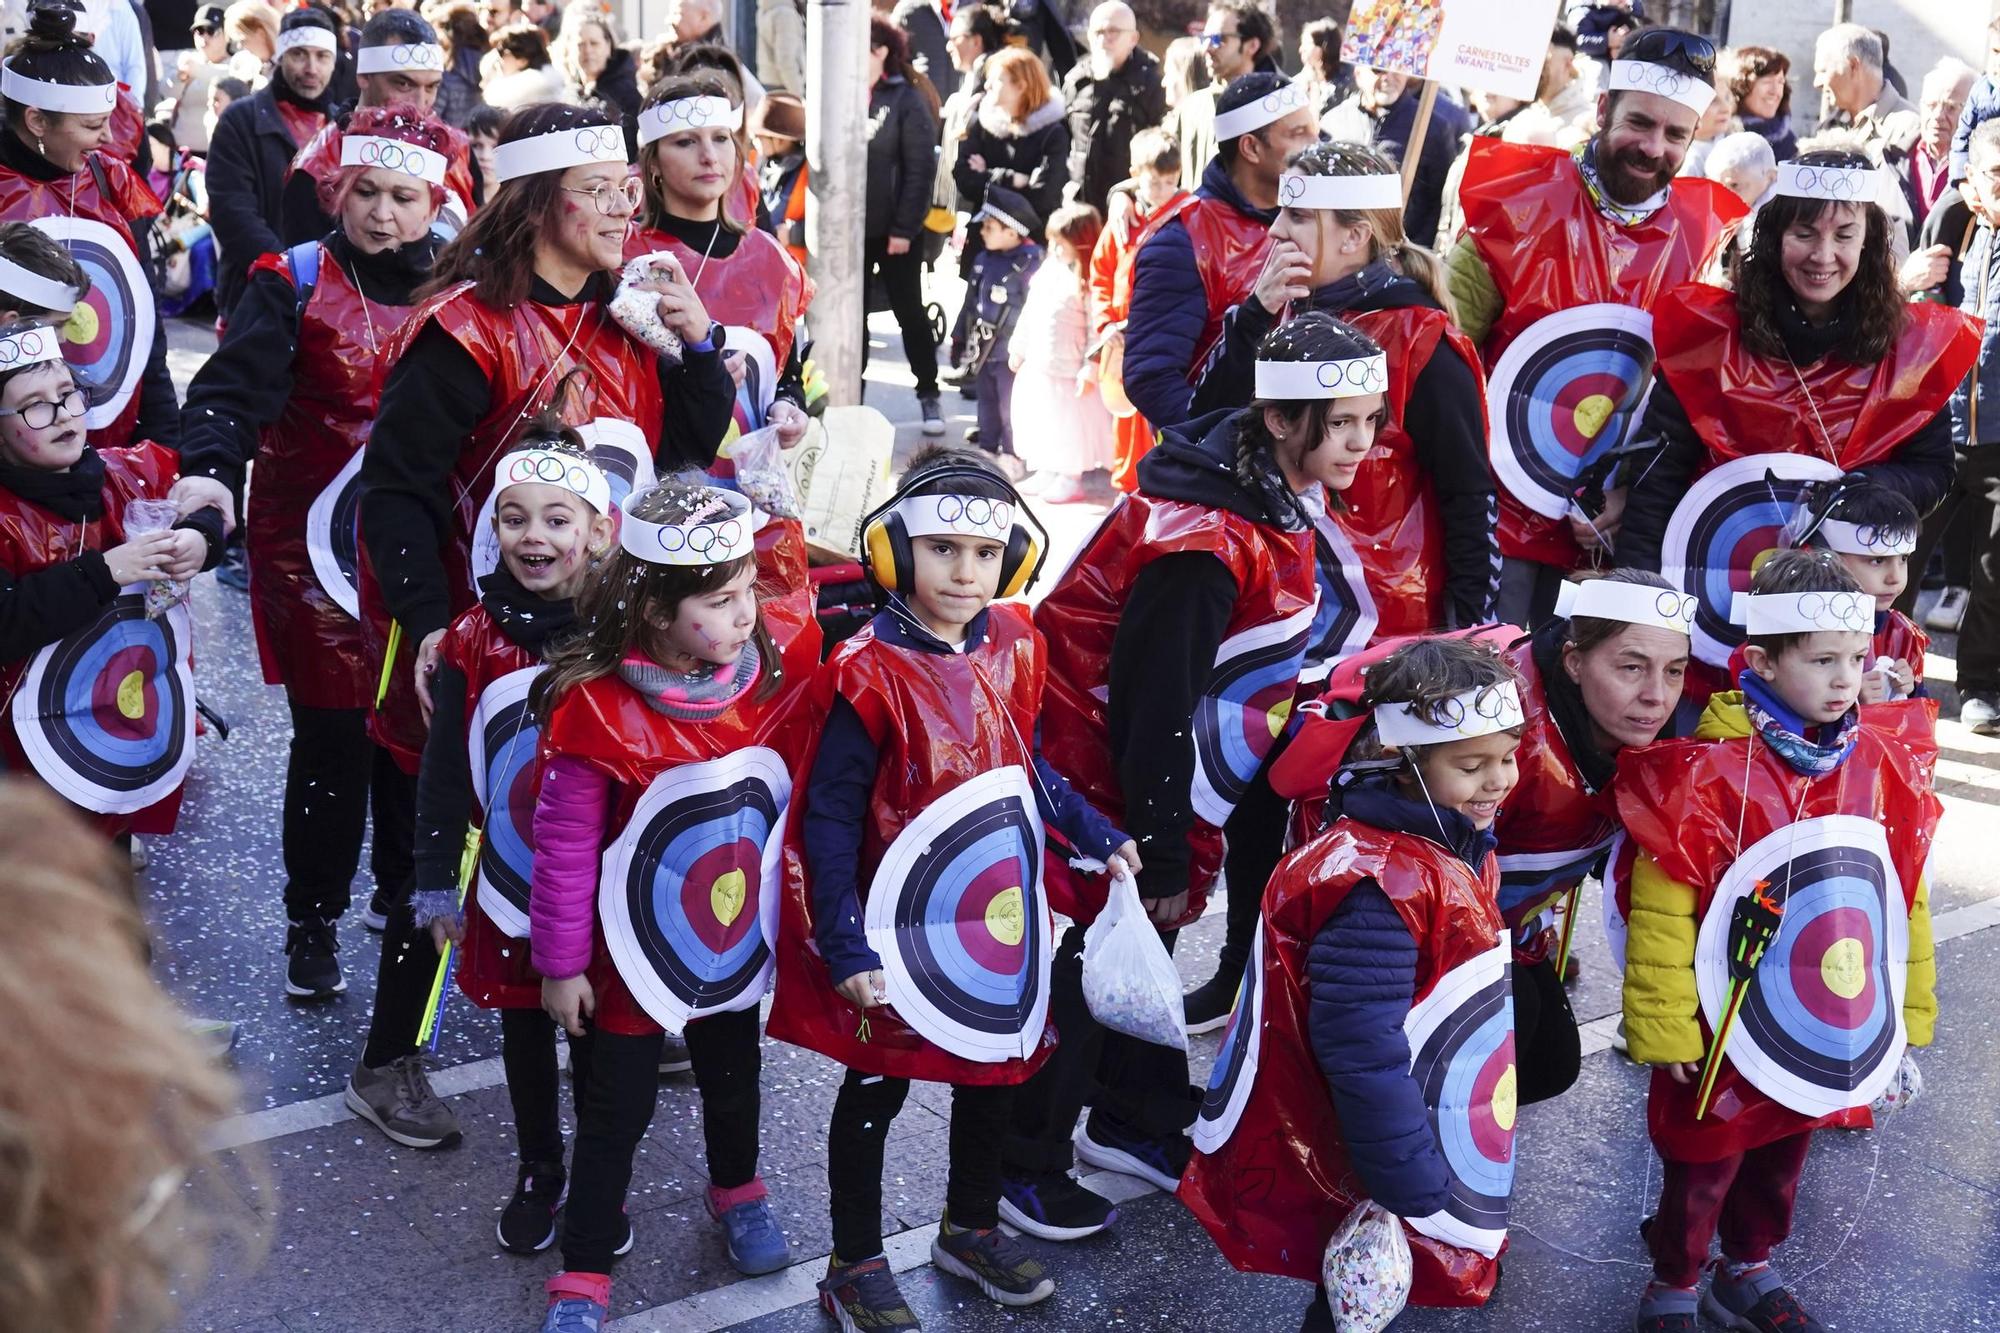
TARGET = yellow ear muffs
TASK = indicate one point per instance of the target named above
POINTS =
(885, 548)
(1022, 561)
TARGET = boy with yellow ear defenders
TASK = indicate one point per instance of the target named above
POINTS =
(916, 943)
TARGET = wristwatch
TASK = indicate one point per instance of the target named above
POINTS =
(713, 342)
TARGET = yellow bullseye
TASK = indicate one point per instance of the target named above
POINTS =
(1006, 919)
(1591, 414)
(1505, 1100)
(132, 695)
(1844, 968)
(1276, 718)
(81, 326)
(726, 896)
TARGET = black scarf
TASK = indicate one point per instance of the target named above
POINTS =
(76, 495)
(392, 275)
(709, 238)
(20, 157)
(1565, 700)
(1806, 341)
(284, 92)
(529, 621)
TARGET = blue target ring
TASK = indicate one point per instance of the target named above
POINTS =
(974, 952)
(507, 848)
(106, 344)
(1462, 1042)
(1244, 708)
(1532, 883)
(1791, 1010)
(1564, 393)
(1345, 618)
(681, 856)
(1235, 1069)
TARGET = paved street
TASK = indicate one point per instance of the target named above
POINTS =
(1896, 1228)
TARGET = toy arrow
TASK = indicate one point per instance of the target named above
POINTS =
(1753, 924)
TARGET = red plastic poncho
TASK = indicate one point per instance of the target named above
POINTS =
(1229, 250)
(1272, 1178)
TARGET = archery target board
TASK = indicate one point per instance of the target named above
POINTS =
(333, 537)
(1821, 1025)
(1532, 883)
(690, 893)
(109, 336)
(617, 447)
(503, 742)
(1245, 708)
(1235, 1070)
(1729, 517)
(1345, 619)
(1566, 392)
(960, 918)
(1462, 1057)
(106, 714)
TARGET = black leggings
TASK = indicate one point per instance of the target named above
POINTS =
(903, 283)
(867, 1103)
(334, 775)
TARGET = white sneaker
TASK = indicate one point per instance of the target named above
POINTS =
(1948, 613)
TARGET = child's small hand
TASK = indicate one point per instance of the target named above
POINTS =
(426, 666)
(447, 930)
(865, 990)
(141, 560)
(1126, 858)
(1875, 687)
(1166, 911)
(1904, 677)
(186, 553)
(569, 1001)
(1682, 1072)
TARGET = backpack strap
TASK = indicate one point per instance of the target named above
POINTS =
(303, 260)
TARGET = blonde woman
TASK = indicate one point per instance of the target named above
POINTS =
(252, 28)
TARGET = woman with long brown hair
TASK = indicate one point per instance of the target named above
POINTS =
(1815, 354)
(691, 163)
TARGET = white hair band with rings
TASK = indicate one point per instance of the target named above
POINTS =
(1295, 381)
(559, 150)
(31, 287)
(956, 516)
(308, 35)
(1639, 76)
(1633, 603)
(369, 150)
(715, 534)
(69, 99)
(29, 347)
(421, 57)
(1353, 194)
(1840, 185)
(1462, 717)
(1253, 116)
(1866, 538)
(553, 467)
(1803, 612)
(688, 113)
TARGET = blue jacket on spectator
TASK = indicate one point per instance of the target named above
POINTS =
(1981, 104)
(1981, 256)
(1169, 310)
(1361, 976)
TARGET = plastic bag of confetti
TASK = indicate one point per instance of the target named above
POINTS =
(1367, 1269)
(637, 308)
(1129, 979)
(1905, 1086)
(142, 517)
(761, 473)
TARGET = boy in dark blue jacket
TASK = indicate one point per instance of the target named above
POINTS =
(1008, 226)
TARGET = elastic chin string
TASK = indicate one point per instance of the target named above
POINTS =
(1422, 786)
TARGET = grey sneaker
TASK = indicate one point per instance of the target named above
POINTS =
(933, 415)
(1980, 714)
(397, 1099)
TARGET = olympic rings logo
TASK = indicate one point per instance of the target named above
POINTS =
(393, 156)
(1362, 373)
(1841, 610)
(545, 468)
(1291, 190)
(417, 55)
(1675, 606)
(600, 141)
(1665, 81)
(691, 112)
(25, 346)
(701, 539)
(1288, 98)
(975, 513)
(1837, 183)
(1492, 705)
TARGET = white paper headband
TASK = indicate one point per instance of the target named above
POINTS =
(30, 347)
(688, 113)
(368, 150)
(1353, 194)
(717, 534)
(956, 516)
(73, 99)
(35, 289)
(1461, 718)
(1637, 76)
(1633, 603)
(559, 150)
(418, 57)
(1295, 381)
(1865, 538)
(1840, 185)
(1254, 116)
(548, 467)
(306, 35)
(1803, 612)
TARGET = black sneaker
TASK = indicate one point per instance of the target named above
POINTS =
(1756, 1302)
(1208, 1006)
(864, 1296)
(528, 1223)
(313, 972)
(376, 918)
(994, 1261)
(1054, 1206)
(1665, 1309)
(933, 414)
(1109, 1146)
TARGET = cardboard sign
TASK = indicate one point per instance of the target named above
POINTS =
(841, 471)
(1496, 48)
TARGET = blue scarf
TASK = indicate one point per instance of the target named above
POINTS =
(1790, 737)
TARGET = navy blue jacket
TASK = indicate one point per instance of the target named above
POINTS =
(1361, 977)
(999, 285)
(1169, 310)
(843, 777)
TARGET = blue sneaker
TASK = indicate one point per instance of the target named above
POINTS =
(1109, 1146)
(578, 1303)
(755, 1244)
(1053, 1206)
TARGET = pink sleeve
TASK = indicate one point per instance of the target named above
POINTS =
(570, 818)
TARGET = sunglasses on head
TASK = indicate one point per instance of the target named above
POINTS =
(1655, 42)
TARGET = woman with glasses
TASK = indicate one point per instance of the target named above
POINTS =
(691, 156)
(302, 419)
